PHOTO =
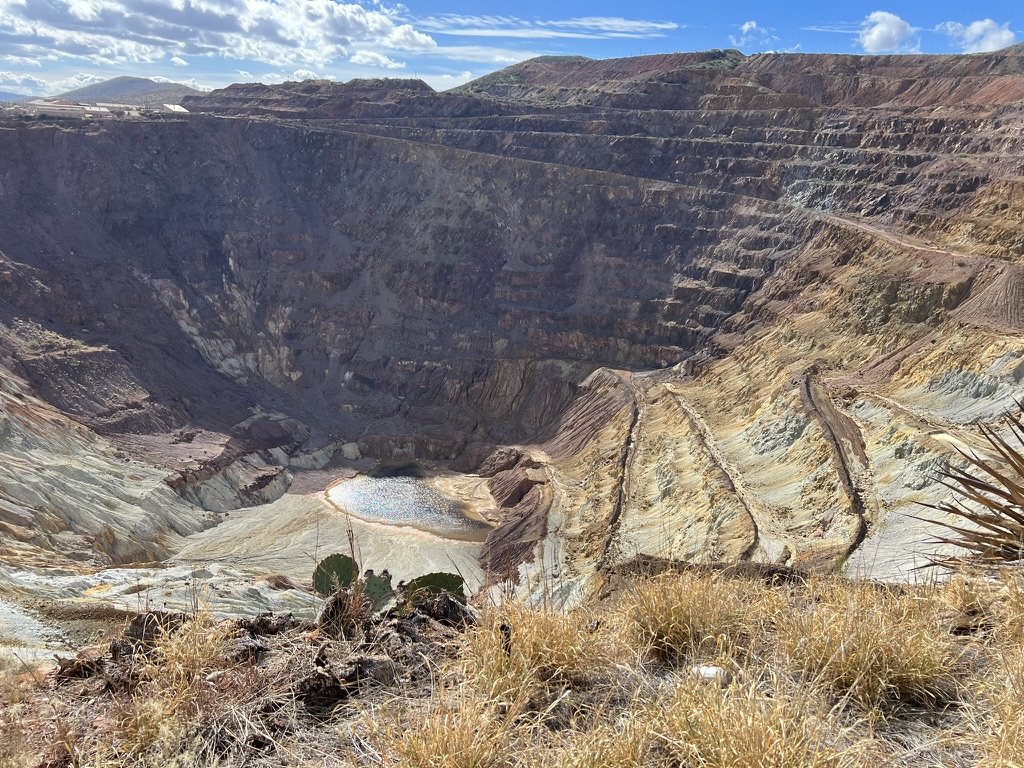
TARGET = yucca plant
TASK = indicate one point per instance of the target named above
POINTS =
(995, 489)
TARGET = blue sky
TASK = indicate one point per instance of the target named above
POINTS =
(48, 46)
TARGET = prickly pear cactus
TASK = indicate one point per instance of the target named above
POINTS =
(378, 592)
(435, 584)
(332, 572)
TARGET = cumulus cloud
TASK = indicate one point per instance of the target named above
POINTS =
(30, 85)
(277, 32)
(190, 82)
(374, 59)
(884, 32)
(178, 61)
(305, 74)
(752, 35)
(74, 82)
(984, 35)
(26, 85)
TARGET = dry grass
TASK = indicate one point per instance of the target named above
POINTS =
(698, 616)
(875, 645)
(163, 714)
(742, 726)
(461, 731)
(1000, 727)
(519, 657)
(20, 683)
(626, 744)
(539, 688)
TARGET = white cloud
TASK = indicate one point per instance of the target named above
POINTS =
(305, 74)
(282, 33)
(446, 81)
(29, 85)
(25, 61)
(482, 54)
(984, 35)
(752, 35)
(178, 61)
(586, 28)
(72, 82)
(884, 32)
(190, 82)
(616, 26)
(23, 84)
(374, 59)
(405, 38)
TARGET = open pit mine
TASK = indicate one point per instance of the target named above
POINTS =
(701, 307)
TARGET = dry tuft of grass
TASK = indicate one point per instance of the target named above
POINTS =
(457, 732)
(695, 615)
(19, 683)
(875, 645)
(517, 656)
(1000, 726)
(162, 715)
(626, 744)
(740, 726)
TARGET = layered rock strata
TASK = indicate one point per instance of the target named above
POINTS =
(723, 307)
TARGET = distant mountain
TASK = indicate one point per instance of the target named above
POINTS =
(132, 90)
(8, 96)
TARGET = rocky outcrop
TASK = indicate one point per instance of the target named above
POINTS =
(69, 496)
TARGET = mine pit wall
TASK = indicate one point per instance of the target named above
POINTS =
(818, 468)
(444, 280)
(357, 276)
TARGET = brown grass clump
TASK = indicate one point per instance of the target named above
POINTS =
(1001, 726)
(998, 718)
(692, 614)
(1008, 608)
(163, 713)
(459, 733)
(518, 655)
(15, 680)
(605, 745)
(739, 726)
(872, 644)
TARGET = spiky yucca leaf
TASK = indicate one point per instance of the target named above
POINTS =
(995, 534)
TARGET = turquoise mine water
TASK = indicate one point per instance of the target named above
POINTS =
(407, 501)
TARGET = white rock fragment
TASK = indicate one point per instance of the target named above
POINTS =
(712, 674)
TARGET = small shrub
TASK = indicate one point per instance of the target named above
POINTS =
(164, 712)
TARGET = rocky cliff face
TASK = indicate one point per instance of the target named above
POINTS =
(725, 307)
